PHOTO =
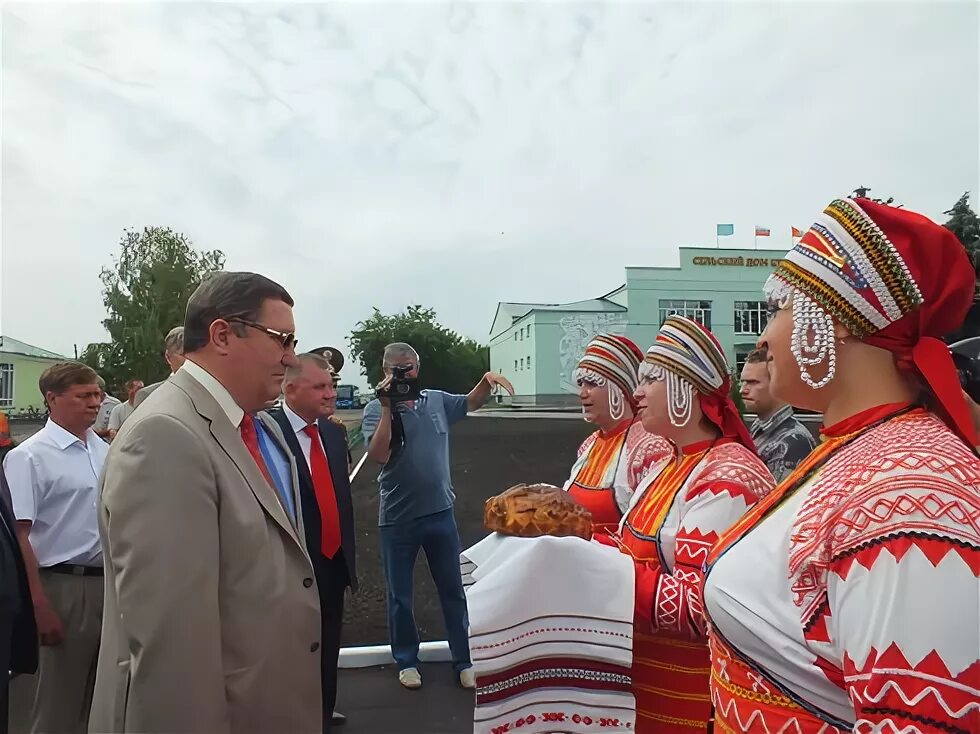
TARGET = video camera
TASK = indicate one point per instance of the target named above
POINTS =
(402, 388)
(966, 357)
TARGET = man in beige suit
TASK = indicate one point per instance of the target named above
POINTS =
(212, 620)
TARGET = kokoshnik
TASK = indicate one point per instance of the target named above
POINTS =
(612, 461)
(848, 600)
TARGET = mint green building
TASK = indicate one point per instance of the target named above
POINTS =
(21, 366)
(537, 345)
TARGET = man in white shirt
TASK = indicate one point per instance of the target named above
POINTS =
(54, 479)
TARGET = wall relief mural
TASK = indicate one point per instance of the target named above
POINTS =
(577, 331)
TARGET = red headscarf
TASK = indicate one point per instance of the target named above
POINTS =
(940, 267)
(896, 280)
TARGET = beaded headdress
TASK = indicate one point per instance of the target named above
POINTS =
(893, 278)
(690, 359)
(843, 268)
(611, 359)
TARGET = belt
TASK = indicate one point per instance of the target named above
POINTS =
(73, 570)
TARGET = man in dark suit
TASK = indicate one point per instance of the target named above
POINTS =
(320, 448)
(18, 630)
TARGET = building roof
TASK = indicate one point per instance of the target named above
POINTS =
(9, 345)
(509, 313)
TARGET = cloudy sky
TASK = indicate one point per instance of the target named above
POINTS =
(456, 155)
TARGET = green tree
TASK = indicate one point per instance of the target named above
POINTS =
(145, 295)
(965, 224)
(448, 361)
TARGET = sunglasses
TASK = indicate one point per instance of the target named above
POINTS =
(287, 340)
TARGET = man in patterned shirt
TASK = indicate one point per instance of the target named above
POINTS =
(781, 440)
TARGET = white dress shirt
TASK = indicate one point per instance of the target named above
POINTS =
(54, 483)
(305, 442)
(217, 391)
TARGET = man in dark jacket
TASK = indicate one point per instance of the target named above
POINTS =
(320, 448)
(18, 631)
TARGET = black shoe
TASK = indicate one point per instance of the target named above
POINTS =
(338, 719)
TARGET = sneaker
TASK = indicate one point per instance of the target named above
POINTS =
(467, 678)
(410, 678)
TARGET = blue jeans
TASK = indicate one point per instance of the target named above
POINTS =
(438, 537)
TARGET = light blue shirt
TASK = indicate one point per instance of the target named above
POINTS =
(279, 467)
(416, 480)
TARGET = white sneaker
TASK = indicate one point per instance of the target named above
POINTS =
(467, 678)
(410, 678)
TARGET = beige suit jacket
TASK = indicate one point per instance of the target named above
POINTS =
(212, 619)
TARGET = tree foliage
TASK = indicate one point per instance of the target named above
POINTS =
(448, 361)
(145, 295)
(965, 224)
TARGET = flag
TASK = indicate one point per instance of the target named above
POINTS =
(797, 232)
(726, 230)
(761, 231)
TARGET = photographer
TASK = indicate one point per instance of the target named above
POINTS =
(407, 430)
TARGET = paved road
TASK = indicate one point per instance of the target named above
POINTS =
(375, 703)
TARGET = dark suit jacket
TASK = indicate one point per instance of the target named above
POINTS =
(23, 643)
(335, 443)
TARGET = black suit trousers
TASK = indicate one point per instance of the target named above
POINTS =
(6, 634)
(332, 581)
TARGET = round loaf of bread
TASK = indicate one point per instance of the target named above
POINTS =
(533, 510)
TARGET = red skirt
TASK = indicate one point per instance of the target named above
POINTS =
(671, 684)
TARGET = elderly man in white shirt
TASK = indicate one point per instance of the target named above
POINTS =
(54, 479)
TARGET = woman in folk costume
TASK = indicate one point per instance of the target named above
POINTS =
(613, 460)
(711, 479)
(848, 600)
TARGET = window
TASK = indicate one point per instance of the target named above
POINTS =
(6, 385)
(515, 365)
(700, 311)
(529, 362)
(750, 317)
(740, 357)
(528, 331)
(522, 362)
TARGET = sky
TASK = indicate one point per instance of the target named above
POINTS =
(456, 155)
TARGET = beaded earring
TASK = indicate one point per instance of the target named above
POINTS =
(680, 392)
(813, 341)
(617, 403)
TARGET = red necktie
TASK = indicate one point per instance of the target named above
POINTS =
(251, 439)
(326, 497)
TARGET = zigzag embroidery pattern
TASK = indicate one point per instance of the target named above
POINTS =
(917, 443)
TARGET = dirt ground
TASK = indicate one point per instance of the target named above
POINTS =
(488, 456)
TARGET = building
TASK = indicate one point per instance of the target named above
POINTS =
(537, 346)
(21, 366)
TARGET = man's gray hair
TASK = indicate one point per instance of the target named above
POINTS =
(173, 343)
(295, 371)
(398, 350)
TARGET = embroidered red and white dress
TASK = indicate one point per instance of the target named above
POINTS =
(848, 600)
(610, 466)
(672, 522)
